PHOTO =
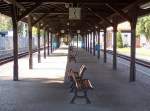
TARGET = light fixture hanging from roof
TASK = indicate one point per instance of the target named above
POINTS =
(62, 31)
(67, 5)
(78, 31)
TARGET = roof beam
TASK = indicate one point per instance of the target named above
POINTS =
(15, 3)
(43, 16)
(43, 1)
(28, 11)
(51, 13)
(143, 12)
(58, 7)
(46, 23)
(119, 12)
(102, 18)
(137, 2)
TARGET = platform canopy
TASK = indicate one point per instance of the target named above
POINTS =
(55, 13)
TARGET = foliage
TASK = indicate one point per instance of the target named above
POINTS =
(34, 31)
(119, 40)
(22, 29)
(5, 23)
(143, 27)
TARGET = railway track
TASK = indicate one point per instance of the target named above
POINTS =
(138, 61)
(20, 55)
(5, 60)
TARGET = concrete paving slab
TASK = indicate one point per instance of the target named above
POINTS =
(45, 87)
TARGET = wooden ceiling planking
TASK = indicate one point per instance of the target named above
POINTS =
(56, 10)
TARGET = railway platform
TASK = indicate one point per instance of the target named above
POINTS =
(46, 88)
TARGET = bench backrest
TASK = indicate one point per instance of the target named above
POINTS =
(82, 70)
(76, 82)
(82, 83)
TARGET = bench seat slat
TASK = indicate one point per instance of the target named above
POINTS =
(84, 84)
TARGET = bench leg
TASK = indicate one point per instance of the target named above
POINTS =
(86, 97)
(72, 87)
(74, 97)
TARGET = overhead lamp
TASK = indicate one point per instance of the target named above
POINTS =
(62, 31)
(34, 18)
(145, 6)
(68, 23)
(78, 31)
(96, 27)
(67, 5)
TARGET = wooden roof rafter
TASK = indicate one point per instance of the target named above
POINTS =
(119, 12)
(15, 3)
(39, 19)
(101, 11)
(28, 11)
(102, 18)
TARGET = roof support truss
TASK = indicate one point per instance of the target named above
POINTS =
(28, 11)
(43, 16)
(120, 12)
(15, 3)
(102, 18)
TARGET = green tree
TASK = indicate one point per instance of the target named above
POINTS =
(5, 23)
(119, 40)
(143, 27)
(34, 31)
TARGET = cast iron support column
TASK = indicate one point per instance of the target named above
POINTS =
(15, 43)
(77, 41)
(30, 42)
(86, 36)
(44, 43)
(90, 43)
(39, 48)
(55, 42)
(105, 56)
(87, 42)
(48, 43)
(51, 43)
(115, 46)
(94, 34)
(83, 41)
(98, 35)
(133, 23)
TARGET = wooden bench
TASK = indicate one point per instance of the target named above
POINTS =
(78, 75)
(71, 48)
(81, 85)
(72, 56)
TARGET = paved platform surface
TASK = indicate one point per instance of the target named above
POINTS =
(45, 88)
